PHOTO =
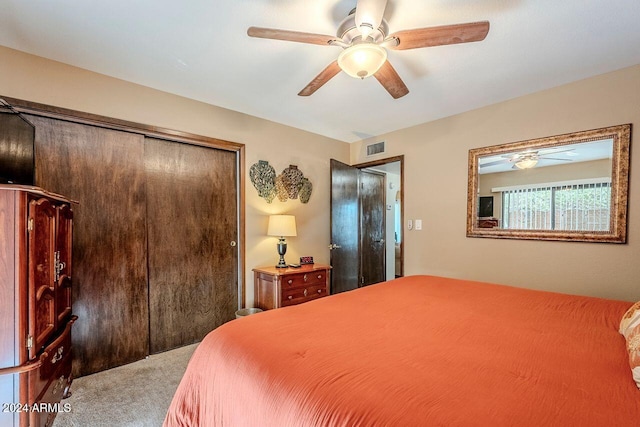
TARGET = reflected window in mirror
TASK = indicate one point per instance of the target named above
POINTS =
(565, 187)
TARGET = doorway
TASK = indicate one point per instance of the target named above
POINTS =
(393, 212)
(367, 209)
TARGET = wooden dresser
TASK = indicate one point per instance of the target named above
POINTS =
(35, 305)
(280, 287)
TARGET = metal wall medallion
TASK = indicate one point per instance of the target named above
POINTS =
(290, 184)
(262, 176)
(305, 190)
(281, 189)
(292, 179)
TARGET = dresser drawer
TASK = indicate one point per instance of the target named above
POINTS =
(54, 355)
(52, 395)
(304, 279)
(303, 294)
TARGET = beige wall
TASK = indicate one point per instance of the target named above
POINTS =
(436, 156)
(40, 80)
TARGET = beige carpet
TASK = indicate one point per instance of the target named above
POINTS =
(137, 394)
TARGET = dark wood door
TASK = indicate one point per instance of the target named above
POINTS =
(372, 228)
(103, 170)
(41, 272)
(185, 195)
(192, 200)
(345, 259)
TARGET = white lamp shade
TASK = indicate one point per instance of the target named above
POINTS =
(282, 225)
(362, 60)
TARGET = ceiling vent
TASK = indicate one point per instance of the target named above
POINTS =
(377, 148)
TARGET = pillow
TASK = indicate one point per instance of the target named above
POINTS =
(633, 346)
(630, 319)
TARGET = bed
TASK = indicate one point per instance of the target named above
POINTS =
(419, 350)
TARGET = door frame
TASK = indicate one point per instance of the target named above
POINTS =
(385, 161)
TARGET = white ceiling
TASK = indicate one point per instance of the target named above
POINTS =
(199, 49)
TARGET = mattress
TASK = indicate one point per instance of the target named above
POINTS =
(419, 350)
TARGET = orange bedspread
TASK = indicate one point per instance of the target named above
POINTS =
(417, 351)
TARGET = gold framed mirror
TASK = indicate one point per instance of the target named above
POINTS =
(570, 187)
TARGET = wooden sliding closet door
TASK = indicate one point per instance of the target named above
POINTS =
(104, 170)
(192, 223)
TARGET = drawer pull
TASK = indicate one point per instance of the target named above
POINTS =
(319, 291)
(305, 292)
(57, 355)
(319, 276)
(305, 278)
(290, 281)
(290, 297)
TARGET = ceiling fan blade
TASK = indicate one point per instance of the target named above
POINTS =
(517, 156)
(389, 78)
(324, 76)
(554, 158)
(292, 36)
(556, 152)
(370, 12)
(438, 36)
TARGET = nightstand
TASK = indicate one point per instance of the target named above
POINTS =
(280, 287)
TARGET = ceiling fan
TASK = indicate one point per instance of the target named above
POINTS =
(527, 159)
(364, 36)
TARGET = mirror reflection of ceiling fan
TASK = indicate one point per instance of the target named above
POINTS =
(527, 159)
(364, 36)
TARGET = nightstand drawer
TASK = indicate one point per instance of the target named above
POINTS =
(304, 279)
(278, 287)
(303, 294)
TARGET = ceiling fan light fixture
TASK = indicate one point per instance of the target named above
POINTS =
(362, 60)
(526, 163)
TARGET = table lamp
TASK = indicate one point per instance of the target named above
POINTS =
(281, 226)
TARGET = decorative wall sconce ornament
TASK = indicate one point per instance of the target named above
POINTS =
(281, 188)
(292, 179)
(262, 176)
(305, 191)
(290, 184)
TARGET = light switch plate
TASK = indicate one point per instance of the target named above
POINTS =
(418, 224)
(409, 224)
